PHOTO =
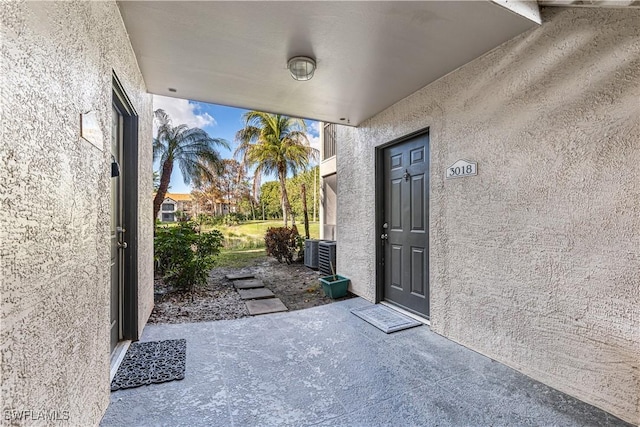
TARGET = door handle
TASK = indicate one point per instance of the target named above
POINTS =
(122, 245)
(384, 236)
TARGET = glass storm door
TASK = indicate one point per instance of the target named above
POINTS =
(117, 246)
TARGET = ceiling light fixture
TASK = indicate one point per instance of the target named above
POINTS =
(301, 68)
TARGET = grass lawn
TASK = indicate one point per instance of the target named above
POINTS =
(244, 242)
(250, 234)
(239, 258)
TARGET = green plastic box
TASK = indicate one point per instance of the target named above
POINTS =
(335, 286)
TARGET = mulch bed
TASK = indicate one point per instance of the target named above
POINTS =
(296, 285)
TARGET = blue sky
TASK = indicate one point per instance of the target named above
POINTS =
(218, 121)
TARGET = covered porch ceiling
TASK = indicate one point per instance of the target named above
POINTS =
(369, 54)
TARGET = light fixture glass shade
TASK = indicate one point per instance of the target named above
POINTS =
(301, 67)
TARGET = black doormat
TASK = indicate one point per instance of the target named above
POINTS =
(384, 318)
(151, 362)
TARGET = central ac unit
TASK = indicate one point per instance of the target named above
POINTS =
(327, 257)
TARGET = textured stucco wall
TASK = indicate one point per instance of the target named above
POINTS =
(57, 61)
(534, 262)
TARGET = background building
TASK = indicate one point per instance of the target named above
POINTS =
(176, 204)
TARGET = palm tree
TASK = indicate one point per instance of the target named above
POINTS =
(192, 148)
(276, 144)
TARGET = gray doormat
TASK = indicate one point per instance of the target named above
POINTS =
(384, 318)
(151, 362)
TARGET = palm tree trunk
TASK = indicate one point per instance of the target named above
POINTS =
(285, 218)
(165, 178)
(253, 207)
(286, 207)
(303, 194)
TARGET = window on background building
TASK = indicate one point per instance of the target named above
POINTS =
(329, 146)
(167, 207)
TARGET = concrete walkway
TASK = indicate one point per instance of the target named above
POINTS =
(326, 367)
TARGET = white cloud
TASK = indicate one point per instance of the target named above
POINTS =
(313, 134)
(314, 141)
(182, 111)
(313, 127)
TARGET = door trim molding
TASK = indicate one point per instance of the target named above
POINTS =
(130, 215)
(117, 356)
(379, 204)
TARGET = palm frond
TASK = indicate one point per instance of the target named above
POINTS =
(192, 148)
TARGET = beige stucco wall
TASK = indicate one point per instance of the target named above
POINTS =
(534, 262)
(57, 61)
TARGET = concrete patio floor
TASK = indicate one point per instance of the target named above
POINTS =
(326, 367)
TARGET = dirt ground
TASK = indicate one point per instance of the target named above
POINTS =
(296, 285)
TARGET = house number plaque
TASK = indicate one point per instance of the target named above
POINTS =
(462, 168)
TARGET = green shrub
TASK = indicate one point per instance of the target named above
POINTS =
(283, 243)
(207, 219)
(182, 216)
(234, 218)
(184, 256)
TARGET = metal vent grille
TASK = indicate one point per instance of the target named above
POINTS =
(311, 253)
(327, 257)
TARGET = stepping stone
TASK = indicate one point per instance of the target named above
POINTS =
(256, 293)
(239, 276)
(265, 306)
(248, 284)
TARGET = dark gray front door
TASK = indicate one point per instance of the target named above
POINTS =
(406, 224)
(116, 231)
